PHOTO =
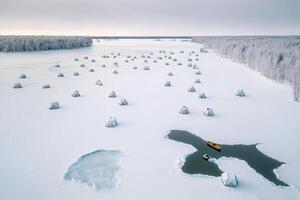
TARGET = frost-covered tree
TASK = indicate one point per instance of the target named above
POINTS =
(38, 43)
(276, 57)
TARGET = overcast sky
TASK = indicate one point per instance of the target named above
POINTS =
(151, 17)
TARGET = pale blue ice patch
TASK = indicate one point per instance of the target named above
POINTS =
(98, 169)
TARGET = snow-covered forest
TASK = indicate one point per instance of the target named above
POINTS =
(275, 57)
(38, 43)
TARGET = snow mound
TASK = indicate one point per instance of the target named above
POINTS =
(115, 72)
(57, 65)
(76, 73)
(111, 122)
(240, 93)
(229, 180)
(54, 105)
(170, 74)
(98, 169)
(91, 70)
(82, 65)
(134, 68)
(184, 110)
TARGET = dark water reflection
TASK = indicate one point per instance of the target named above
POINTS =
(195, 164)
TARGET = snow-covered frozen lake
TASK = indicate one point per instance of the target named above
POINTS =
(38, 145)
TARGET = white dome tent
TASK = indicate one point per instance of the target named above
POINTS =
(197, 80)
(60, 75)
(76, 94)
(111, 122)
(17, 85)
(209, 112)
(146, 68)
(168, 83)
(202, 95)
(112, 94)
(184, 110)
(98, 82)
(46, 86)
(240, 93)
(23, 76)
(123, 102)
(54, 105)
(191, 89)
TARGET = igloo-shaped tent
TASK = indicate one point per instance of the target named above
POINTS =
(54, 105)
(46, 86)
(202, 95)
(168, 83)
(111, 122)
(209, 112)
(82, 65)
(229, 180)
(184, 110)
(135, 67)
(112, 94)
(76, 73)
(76, 94)
(60, 75)
(123, 102)
(240, 93)
(197, 80)
(98, 82)
(57, 65)
(17, 85)
(198, 72)
(91, 70)
(86, 57)
(146, 68)
(76, 59)
(93, 60)
(22, 76)
(191, 89)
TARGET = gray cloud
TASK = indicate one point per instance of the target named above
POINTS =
(155, 17)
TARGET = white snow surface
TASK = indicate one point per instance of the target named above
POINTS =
(37, 145)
